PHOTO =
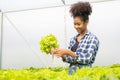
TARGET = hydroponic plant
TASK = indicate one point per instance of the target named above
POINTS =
(60, 73)
(48, 42)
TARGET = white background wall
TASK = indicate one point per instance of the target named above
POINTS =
(105, 23)
(21, 38)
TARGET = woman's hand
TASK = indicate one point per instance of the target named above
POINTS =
(60, 52)
(52, 51)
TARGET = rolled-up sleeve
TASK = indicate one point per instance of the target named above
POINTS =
(68, 59)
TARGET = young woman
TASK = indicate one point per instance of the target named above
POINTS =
(83, 46)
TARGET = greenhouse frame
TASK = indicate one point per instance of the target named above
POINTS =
(24, 22)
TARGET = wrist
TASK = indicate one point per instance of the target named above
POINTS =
(63, 57)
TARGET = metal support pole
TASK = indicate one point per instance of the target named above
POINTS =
(1, 24)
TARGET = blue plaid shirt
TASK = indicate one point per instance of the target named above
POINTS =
(86, 50)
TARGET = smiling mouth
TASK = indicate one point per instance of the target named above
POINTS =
(78, 29)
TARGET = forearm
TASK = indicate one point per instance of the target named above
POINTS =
(71, 53)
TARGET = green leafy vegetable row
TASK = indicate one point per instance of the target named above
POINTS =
(59, 73)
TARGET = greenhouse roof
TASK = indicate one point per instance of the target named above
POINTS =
(20, 5)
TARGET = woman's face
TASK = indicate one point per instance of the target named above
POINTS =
(80, 25)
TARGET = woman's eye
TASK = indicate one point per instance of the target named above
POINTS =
(74, 24)
(77, 24)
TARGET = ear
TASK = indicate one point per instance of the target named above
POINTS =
(86, 22)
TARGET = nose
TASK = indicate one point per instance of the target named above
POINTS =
(76, 26)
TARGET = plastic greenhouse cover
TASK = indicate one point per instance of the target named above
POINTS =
(16, 5)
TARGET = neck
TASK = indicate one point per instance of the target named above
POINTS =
(83, 33)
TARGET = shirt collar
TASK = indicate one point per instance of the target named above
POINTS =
(85, 34)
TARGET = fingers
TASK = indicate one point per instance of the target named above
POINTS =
(53, 50)
(56, 51)
(58, 55)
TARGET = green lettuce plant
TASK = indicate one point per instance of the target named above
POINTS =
(48, 42)
(61, 73)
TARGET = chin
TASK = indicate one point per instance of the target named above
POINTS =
(79, 31)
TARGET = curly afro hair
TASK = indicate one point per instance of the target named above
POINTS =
(81, 9)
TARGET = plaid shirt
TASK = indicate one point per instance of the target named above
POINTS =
(86, 50)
